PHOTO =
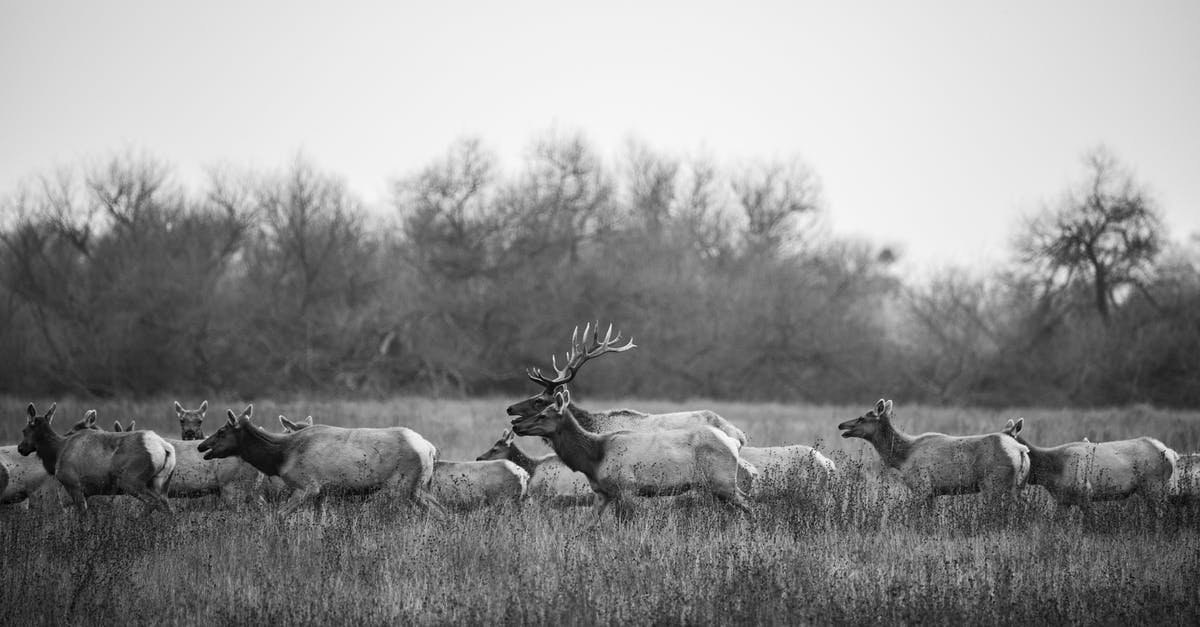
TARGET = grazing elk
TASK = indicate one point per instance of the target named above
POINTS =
(644, 463)
(549, 478)
(1078, 473)
(788, 471)
(324, 459)
(612, 420)
(191, 421)
(462, 484)
(935, 464)
(92, 462)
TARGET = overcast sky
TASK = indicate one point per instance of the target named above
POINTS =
(932, 125)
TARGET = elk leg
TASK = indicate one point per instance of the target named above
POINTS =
(298, 497)
(598, 505)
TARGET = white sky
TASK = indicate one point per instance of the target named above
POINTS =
(932, 125)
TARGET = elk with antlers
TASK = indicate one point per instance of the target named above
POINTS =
(581, 352)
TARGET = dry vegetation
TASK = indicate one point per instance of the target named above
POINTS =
(860, 555)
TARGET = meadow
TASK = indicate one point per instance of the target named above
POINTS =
(859, 553)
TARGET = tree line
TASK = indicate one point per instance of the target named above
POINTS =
(118, 280)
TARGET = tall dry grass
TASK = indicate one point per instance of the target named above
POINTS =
(860, 554)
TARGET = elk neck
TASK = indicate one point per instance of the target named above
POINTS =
(1043, 463)
(583, 417)
(265, 451)
(522, 459)
(893, 445)
(48, 445)
(579, 449)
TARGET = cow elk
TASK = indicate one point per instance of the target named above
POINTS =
(935, 464)
(191, 421)
(324, 459)
(1077, 473)
(643, 463)
(786, 472)
(462, 485)
(92, 462)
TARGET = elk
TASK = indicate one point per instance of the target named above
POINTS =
(549, 478)
(92, 462)
(27, 483)
(644, 463)
(612, 420)
(462, 484)
(1187, 472)
(1077, 473)
(785, 471)
(191, 421)
(324, 459)
(117, 428)
(935, 464)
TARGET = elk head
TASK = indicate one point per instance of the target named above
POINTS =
(547, 421)
(866, 425)
(224, 443)
(500, 449)
(581, 351)
(190, 421)
(87, 424)
(34, 427)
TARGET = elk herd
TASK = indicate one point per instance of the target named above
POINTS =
(599, 458)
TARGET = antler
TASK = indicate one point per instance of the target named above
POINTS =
(579, 354)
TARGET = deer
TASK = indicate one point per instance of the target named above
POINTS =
(643, 463)
(611, 420)
(1077, 473)
(191, 421)
(462, 485)
(549, 478)
(936, 464)
(92, 462)
(323, 459)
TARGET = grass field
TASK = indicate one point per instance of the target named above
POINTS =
(859, 554)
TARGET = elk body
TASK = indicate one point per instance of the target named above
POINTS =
(788, 471)
(323, 459)
(549, 478)
(935, 464)
(642, 463)
(1077, 473)
(197, 477)
(1187, 472)
(462, 484)
(92, 462)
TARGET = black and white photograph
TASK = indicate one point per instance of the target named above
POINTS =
(777, 312)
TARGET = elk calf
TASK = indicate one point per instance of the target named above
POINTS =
(549, 478)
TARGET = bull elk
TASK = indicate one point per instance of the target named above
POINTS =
(935, 464)
(325, 459)
(643, 463)
(602, 421)
(1077, 473)
(92, 462)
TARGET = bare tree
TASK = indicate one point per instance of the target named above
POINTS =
(775, 197)
(1104, 234)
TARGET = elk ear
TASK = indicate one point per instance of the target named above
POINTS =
(203, 406)
(887, 409)
(309, 420)
(31, 411)
(178, 408)
(1008, 426)
(232, 420)
(117, 426)
(562, 398)
(50, 412)
(1017, 425)
(283, 422)
(90, 418)
(130, 428)
(249, 411)
(880, 405)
